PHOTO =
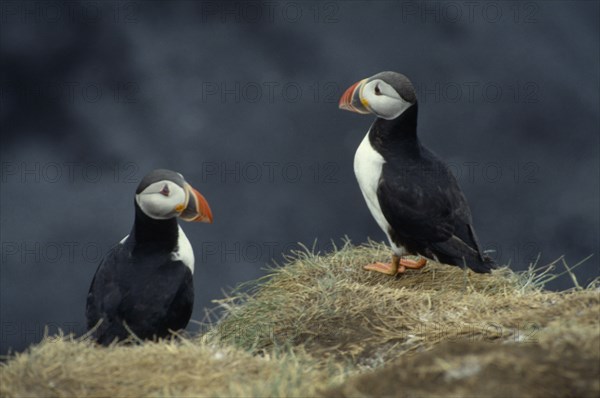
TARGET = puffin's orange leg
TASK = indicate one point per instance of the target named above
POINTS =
(384, 268)
(397, 266)
(412, 264)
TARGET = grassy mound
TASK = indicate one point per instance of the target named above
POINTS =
(61, 367)
(320, 325)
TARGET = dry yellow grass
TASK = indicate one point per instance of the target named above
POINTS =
(61, 367)
(320, 325)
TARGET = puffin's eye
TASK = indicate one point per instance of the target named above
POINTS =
(377, 90)
(165, 190)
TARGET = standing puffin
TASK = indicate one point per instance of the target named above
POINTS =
(144, 283)
(411, 193)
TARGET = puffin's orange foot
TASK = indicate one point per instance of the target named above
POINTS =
(397, 266)
(384, 268)
(412, 264)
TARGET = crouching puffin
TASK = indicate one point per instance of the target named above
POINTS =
(411, 193)
(144, 284)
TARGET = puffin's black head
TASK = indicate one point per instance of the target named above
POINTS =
(164, 194)
(386, 94)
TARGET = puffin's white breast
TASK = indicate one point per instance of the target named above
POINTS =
(184, 251)
(368, 164)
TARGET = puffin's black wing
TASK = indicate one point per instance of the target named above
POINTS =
(428, 213)
(151, 296)
(104, 297)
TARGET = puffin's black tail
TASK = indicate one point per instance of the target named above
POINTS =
(456, 252)
(482, 265)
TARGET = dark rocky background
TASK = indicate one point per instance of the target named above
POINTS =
(241, 98)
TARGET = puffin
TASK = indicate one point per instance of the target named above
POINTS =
(410, 192)
(144, 284)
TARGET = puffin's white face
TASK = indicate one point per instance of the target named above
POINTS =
(387, 95)
(382, 99)
(162, 200)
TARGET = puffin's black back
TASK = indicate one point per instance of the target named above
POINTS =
(421, 199)
(140, 284)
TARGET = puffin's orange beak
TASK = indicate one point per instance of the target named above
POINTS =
(352, 101)
(197, 208)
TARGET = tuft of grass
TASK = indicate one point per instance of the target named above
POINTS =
(67, 367)
(332, 307)
(321, 325)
